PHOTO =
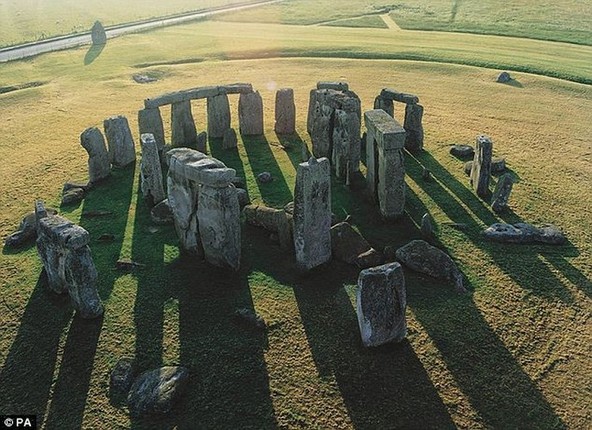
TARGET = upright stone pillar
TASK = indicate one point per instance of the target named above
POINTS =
(285, 111)
(414, 127)
(184, 133)
(385, 104)
(312, 213)
(385, 162)
(218, 115)
(99, 165)
(150, 171)
(346, 143)
(119, 138)
(250, 114)
(481, 168)
(381, 303)
(150, 121)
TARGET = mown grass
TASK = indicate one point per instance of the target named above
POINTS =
(366, 21)
(514, 353)
(566, 20)
(30, 20)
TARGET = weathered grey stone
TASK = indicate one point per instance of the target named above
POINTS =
(197, 93)
(122, 377)
(502, 192)
(350, 247)
(72, 196)
(332, 85)
(162, 214)
(481, 168)
(385, 162)
(424, 258)
(27, 231)
(243, 197)
(321, 130)
(229, 140)
(218, 213)
(498, 165)
(250, 114)
(218, 115)
(119, 138)
(98, 34)
(397, 96)
(238, 88)
(156, 391)
(150, 171)
(386, 105)
(99, 163)
(63, 249)
(285, 111)
(504, 77)
(201, 142)
(150, 121)
(140, 78)
(264, 177)
(272, 220)
(381, 304)
(462, 151)
(346, 143)
(183, 131)
(414, 127)
(427, 228)
(523, 233)
(312, 213)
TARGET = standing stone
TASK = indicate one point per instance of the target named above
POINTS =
(321, 130)
(229, 140)
(381, 303)
(481, 167)
(183, 128)
(285, 111)
(385, 162)
(414, 128)
(502, 192)
(119, 138)
(218, 115)
(312, 213)
(99, 166)
(202, 140)
(427, 227)
(386, 105)
(250, 114)
(63, 249)
(150, 171)
(150, 121)
(346, 143)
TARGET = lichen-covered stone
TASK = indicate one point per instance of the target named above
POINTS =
(381, 304)
(150, 121)
(501, 194)
(250, 114)
(150, 171)
(285, 111)
(351, 247)
(156, 391)
(462, 151)
(481, 167)
(218, 115)
(99, 162)
(524, 233)
(414, 127)
(27, 231)
(272, 220)
(183, 130)
(346, 143)
(120, 141)
(312, 213)
(386, 105)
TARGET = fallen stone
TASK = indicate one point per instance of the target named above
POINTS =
(96, 214)
(120, 141)
(122, 377)
(462, 151)
(249, 318)
(422, 257)
(143, 79)
(127, 264)
(285, 111)
(106, 238)
(498, 165)
(272, 220)
(162, 214)
(502, 192)
(381, 304)
(156, 391)
(99, 161)
(73, 196)
(370, 258)
(229, 141)
(27, 231)
(523, 233)
(503, 78)
(350, 247)
(264, 177)
(86, 186)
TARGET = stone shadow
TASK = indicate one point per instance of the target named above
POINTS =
(230, 157)
(93, 53)
(294, 147)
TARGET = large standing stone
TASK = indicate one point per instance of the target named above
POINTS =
(321, 130)
(385, 104)
(229, 140)
(381, 304)
(385, 162)
(151, 171)
(183, 128)
(218, 115)
(312, 213)
(99, 164)
(346, 143)
(250, 114)
(414, 128)
(481, 167)
(63, 249)
(502, 192)
(155, 391)
(422, 257)
(150, 121)
(285, 111)
(119, 138)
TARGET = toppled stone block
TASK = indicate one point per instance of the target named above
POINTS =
(502, 192)
(122, 377)
(72, 196)
(150, 121)
(462, 151)
(99, 162)
(27, 231)
(272, 220)
(250, 114)
(481, 167)
(218, 115)
(120, 141)
(285, 111)
(183, 130)
(503, 78)
(524, 233)
(350, 247)
(63, 249)
(151, 171)
(381, 304)
(156, 391)
(424, 258)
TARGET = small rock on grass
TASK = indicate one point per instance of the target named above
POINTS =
(156, 391)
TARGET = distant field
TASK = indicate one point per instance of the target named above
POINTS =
(565, 20)
(30, 20)
(367, 21)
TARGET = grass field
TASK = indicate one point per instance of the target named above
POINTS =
(514, 353)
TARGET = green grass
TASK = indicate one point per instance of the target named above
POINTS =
(514, 353)
(366, 21)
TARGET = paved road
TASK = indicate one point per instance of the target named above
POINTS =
(58, 43)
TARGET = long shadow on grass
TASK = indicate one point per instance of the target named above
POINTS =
(295, 147)
(230, 157)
